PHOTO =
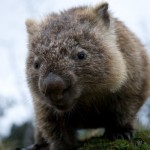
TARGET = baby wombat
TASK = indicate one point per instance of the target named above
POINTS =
(85, 69)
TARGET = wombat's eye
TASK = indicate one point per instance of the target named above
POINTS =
(36, 65)
(81, 55)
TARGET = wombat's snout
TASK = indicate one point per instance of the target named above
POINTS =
(53, 87)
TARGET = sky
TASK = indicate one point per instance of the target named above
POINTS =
(14, 93)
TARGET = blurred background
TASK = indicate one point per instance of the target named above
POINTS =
(16, 111)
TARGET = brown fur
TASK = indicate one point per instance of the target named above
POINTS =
(106, 88)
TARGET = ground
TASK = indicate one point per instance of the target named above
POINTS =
(141, 141)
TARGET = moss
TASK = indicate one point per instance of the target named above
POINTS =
(141, 141)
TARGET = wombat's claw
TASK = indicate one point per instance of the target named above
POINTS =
(39, 146)
(119, 135)
(35, 147)
(31, 147)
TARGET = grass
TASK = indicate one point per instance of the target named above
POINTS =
(141, 141)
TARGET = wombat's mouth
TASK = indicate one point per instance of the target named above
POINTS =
(61, 102)
(62, 107)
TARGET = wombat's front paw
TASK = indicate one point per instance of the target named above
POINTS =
(61, 147)
(127, 135)
(43, 146)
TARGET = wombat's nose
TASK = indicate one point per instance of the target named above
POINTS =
(53, 87)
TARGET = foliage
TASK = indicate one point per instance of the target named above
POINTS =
(20, 136)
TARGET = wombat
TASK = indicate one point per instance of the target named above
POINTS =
(85, 69)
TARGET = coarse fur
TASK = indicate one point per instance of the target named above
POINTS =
(85, 69)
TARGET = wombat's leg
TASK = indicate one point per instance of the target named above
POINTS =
(38, 136)
(40, 142)
(120, 121)
(59, 136)
(119, 132)
(55, 130)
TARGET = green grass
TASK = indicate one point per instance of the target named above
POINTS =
(140, 142)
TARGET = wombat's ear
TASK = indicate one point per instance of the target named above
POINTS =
(102, 11)
(31, 25)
